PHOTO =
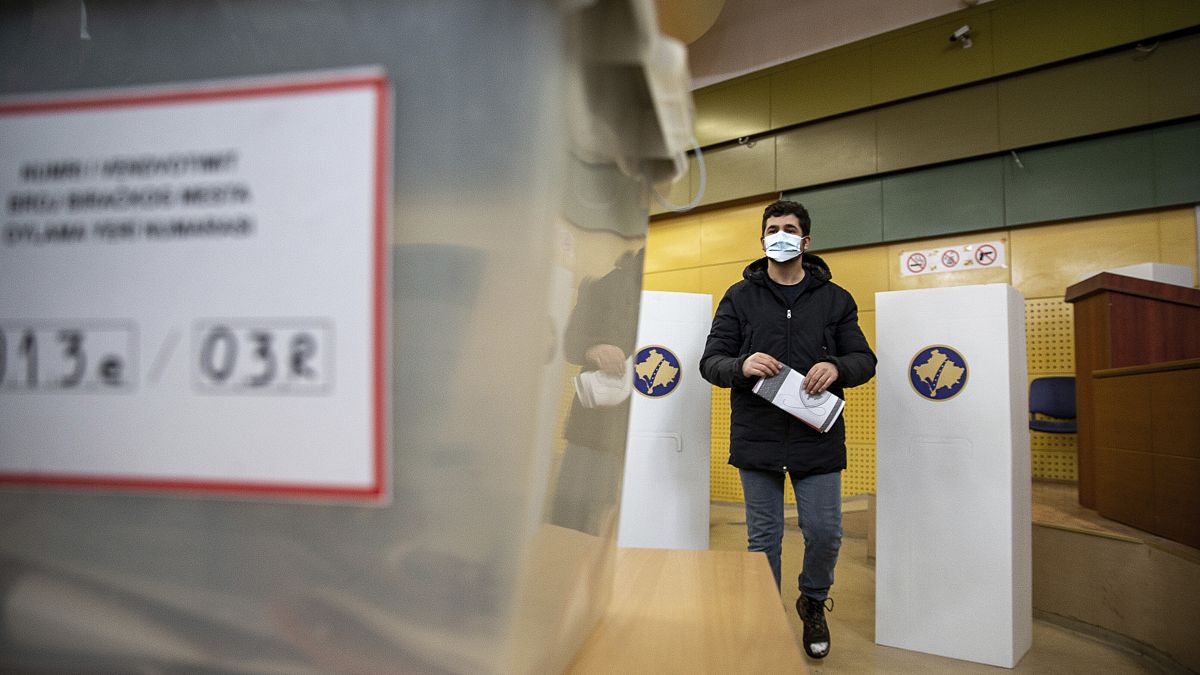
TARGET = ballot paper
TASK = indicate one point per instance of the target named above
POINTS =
(786, 391)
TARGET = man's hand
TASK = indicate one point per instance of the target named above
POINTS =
(607, 358)
(819, 377)
(759, 364)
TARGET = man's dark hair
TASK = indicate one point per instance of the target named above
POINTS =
(784, 208)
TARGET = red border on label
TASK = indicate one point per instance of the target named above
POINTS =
(378, 490)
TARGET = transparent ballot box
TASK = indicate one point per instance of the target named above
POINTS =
(294, 298)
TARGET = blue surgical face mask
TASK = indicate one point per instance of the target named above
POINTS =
(783, 246)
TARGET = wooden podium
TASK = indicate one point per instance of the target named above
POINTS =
(1135, 443)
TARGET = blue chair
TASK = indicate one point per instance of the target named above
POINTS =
(1052, 397)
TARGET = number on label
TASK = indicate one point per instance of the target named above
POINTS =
(264, 354)
(219, 337)
(303, 349)
(73, 341)
(28, 348)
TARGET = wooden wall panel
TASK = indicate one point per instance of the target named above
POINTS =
(1150, 332)
(716, 279)
(1163, 16)
(732, 234)
(1123, 421)
(1172, 72)
(1047, 259)
(1029, 33)
(821, 86)
(923, 60)
(1177, 238)
(1093, 350)
(955, 125)
(673, 244)
(827, 151)
(863, 272)
(1125, 486)
(737, 171)
(678, 193)
(1074, 99)
(679, 281)
(1171, 432)
(1177, 498)
(732, 110)
(1145, 430)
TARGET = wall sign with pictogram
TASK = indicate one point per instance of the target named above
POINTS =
(958, 258)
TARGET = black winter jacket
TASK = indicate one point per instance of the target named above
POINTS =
(822, 325)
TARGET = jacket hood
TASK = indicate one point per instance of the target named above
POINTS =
(813, 265)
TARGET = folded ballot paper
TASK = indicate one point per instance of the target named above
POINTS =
(786, 391)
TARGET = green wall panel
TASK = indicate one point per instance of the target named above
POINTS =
(827, 151)
(954, 125)
(736, 171)
(1175, 78)
(1030, 33)
(821, 86)
(954, 198)
(1163, 16)
(925, 60)
(850, 214)
(1177, 164)
(729, 111)
(1103, 175)
(1076, 99)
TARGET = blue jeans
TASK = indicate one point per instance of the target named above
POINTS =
(819, 506)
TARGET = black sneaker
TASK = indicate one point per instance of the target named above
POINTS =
(816, 631)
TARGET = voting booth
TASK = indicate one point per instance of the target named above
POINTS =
(953, 568)
(665, 496)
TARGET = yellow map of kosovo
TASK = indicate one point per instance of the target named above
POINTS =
(654, 370)
(938, 372)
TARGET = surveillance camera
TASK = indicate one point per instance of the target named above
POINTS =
(960, 34)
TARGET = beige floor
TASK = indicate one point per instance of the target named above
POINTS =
(1055, 649)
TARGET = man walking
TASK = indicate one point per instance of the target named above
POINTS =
(787, 311)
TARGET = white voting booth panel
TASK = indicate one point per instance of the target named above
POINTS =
(664, 501)
(953, 570)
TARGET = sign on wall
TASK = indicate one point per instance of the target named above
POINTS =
(193, 288)
(961, 258)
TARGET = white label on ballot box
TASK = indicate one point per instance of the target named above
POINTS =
(193, 288)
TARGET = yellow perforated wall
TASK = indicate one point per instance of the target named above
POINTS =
(1049, 337)
(859, 477)
(1050, 350)
(724, 484)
